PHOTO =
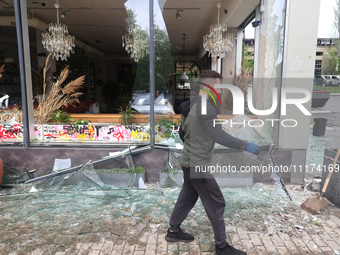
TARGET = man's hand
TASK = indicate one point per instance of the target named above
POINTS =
(252, 148)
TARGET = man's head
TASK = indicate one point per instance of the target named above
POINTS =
(211, 78)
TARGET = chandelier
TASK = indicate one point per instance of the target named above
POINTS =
(136, 42)
(216, 43)
(57, 41)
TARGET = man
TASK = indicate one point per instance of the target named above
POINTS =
(200, 135)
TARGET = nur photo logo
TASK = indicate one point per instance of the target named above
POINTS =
(289, 96)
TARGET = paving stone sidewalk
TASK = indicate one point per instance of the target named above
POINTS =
(321, 235)
(321, 240)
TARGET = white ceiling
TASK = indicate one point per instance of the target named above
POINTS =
(103, 21)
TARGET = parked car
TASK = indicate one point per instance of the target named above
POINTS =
(335, 81)
(328, 80)
(136, 93)
(162, 105)
(331, 80)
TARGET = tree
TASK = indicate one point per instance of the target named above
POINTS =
(337, 24)
(164, 64)
(330, 60)
(248, 59)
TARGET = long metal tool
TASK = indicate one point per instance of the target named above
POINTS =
(272, 148)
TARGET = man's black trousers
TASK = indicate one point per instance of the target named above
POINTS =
(212, 199)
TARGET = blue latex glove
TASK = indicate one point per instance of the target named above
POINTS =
(252, 148)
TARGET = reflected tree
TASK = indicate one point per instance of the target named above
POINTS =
(118, 94)
(330, 61)
(164, 64)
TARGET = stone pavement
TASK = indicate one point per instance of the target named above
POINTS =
(296, 232)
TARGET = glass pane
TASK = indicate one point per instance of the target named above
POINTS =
(10, 88)
(90, 88)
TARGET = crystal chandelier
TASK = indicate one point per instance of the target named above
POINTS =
(136, 42)
(57, 41)
(215, 42)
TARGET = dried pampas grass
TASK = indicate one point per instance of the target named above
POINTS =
(59, 95)
(7, 115)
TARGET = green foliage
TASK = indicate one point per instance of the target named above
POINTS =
(330, 60)
(331, 89)
(113, 170)
(337, 24)
(126, 115)
(169, 170)
(314, 222)
(165, 126)
(248, 59)
(164, 62)
(166, 170)
(139, 170)
(82, 122)
(62, 117)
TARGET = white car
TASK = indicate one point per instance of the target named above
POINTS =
(161, 104)
(330, 80)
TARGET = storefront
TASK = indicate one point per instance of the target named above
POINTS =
(118, 70)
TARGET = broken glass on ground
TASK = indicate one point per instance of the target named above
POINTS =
(61, 214)
(15, 175)
(79, 207)
(172, 174)
(117, 170)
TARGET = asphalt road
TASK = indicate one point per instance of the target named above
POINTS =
(333, 105)
(332, 114)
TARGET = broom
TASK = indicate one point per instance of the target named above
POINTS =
(314, 204)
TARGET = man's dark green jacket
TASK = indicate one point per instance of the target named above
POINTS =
(200, 134)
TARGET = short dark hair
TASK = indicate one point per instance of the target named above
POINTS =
(208, 74)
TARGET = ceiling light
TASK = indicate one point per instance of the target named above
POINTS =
(57, 41)
(217, 42)
(63, 15)
(178, 16)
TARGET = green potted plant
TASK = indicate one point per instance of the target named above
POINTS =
(126, 115)
(61, 117)
(122, 176)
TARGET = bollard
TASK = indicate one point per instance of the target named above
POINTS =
(319, 126)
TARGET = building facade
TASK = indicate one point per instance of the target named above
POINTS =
(128, 48)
